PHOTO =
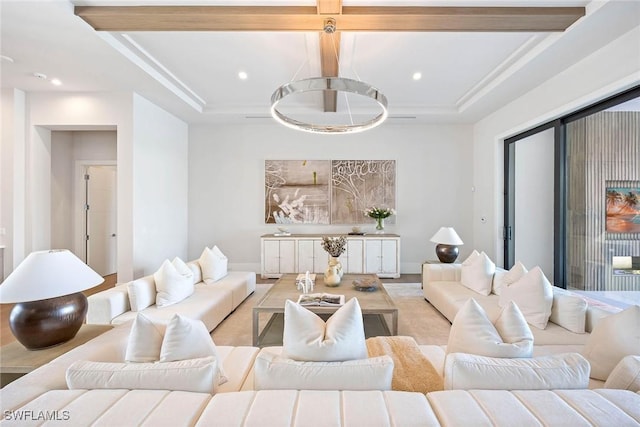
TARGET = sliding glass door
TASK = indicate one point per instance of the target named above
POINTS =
(572, 195)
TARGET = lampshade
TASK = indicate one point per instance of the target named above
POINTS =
(447, 236)
(48, 274)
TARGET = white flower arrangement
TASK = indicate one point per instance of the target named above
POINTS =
(378, 213)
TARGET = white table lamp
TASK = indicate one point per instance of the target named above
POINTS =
(447, 244)
(50, 306)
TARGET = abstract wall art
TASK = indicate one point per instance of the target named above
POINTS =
(360, 184)
(296, 191)
(327, 192)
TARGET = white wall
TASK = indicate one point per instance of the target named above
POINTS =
(534, 204)
(160, 186)
(12, 197)
(612, 69)
(226, 184)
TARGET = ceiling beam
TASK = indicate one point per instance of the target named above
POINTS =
(330, 53)
(307, 18)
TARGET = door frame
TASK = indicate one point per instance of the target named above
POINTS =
(79, 200)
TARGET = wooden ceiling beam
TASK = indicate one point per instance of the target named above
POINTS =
(330, 53)
(307, 18)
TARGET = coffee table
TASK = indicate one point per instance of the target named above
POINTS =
(375, 302)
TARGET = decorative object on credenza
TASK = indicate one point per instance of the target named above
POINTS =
(334, 246)
(379, 214)
(282, 232)
(47, 287)
(447, 244)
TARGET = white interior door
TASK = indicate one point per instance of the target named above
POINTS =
(101, 219)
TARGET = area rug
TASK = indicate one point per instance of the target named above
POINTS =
(416, 317)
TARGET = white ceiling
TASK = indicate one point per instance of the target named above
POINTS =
(194, 75)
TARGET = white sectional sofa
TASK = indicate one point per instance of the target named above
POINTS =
(210, 302)
(44, 393)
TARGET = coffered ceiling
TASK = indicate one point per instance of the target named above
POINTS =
(191, 65)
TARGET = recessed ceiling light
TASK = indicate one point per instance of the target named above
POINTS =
(56, 82)
(417, 75)
(242, 75)
(40, 76)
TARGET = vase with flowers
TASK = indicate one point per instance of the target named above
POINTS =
(379, 214)
(334, 246)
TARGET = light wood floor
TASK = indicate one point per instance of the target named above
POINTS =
(5, 333)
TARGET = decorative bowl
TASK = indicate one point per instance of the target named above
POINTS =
(365, 284)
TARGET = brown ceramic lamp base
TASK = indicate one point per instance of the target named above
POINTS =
(447, 253)
(49, 322)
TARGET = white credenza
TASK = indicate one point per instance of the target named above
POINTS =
(298, 253)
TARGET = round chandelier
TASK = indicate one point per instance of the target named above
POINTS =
(321, 84)
(340, 84)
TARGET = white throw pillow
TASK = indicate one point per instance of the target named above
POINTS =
(145, 340)
(626, 375)
(142, 293)
(533, 294)
(559, 371)
(472, 332)
(569, 311)
(613, 338)
(477, 273)
(307, 337)
(174, 282)
(187, 338)
(272, 372)
(213, 264)
(503, 278)
(196, 375)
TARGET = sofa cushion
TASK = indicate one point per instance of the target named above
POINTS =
(502, 278)
(534, 296)
(187, 338)
(174, 282)
(626, 374)
(562, 371)
(477, 273)
(307, 337)
(569, 311)
(145, 340)
(213, 264)
(142, 293)
(272, 372)
(613, 338)
(198, 375)
(473, 332)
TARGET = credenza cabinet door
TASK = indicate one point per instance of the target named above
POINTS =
(382, 257)
(353, 259)
(278, 257)
(311, 256)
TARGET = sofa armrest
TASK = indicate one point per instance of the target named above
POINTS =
(106, 305)
(441, 273)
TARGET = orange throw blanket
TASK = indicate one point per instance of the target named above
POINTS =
(412, 371)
